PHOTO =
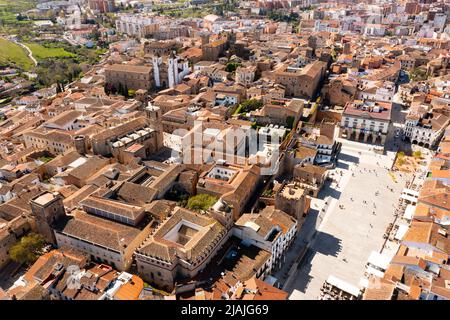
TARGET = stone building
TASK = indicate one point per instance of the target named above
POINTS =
(54, 141)
(135, 138)
(47, 208)
(301, 82)
(310, 177)
(138, 26)
(211, 51)
(180, 248)
(129, 76)
(160, 48)
(102, 6)
(245, 75)
(291, 198)
(339, 91)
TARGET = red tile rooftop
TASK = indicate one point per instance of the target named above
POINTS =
(369, 109)
(135, 147)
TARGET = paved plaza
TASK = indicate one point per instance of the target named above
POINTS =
(353, 224)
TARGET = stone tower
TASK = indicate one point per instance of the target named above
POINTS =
(290, 198)
(154, 116)
(205, 38)
(80, 144)
(47, 209)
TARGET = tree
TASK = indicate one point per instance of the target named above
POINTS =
(201, 202)
(131, 92)
(96, 34)
(290, 122)
(417, 154)
(119, 88)
(177, 194)
(250, 105)
(232, 66)
(28, 249)
(418, 74)
(58, 87)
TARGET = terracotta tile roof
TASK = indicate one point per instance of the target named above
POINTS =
(379, 289)
(209, 232)
(129, 68)
(95, 203)
(97, 230)
(419, 232)
(136, 194)
(130, 290)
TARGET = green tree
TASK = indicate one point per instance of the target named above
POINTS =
(201, 202)
(232, 66)
(119, 88)
(290, 122)
(58, 87)
(250, 105)
(28, 249)
(418, 75)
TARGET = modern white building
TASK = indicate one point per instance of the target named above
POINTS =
(134, 25)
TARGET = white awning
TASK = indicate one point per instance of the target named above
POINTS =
(409, 198)
(379, 260)
(364, 282)
(409, 212)
(344, 286)
(401, 231)
(375, 272)
(410, 192)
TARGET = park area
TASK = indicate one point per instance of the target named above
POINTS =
(13, 54)
(41, 52)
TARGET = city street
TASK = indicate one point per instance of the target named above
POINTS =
(360, 207)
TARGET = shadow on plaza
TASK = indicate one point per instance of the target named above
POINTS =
(348, 158)
(328, 191)
(325, 244)
(319, 242)
(342, 165)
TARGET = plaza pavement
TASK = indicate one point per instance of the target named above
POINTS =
(346, 236)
